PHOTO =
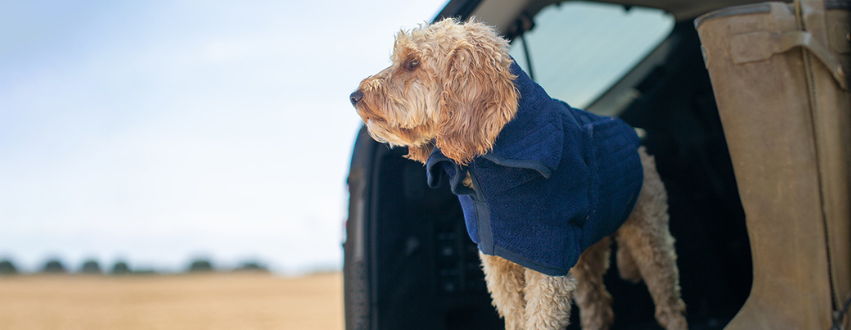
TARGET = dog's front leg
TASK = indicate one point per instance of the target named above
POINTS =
(548, 300)
(505, 281)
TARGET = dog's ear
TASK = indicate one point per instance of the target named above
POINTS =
(478, 97)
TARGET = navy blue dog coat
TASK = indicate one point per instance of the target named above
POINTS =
(557, 181)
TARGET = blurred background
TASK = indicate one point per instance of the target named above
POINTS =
(159, 134)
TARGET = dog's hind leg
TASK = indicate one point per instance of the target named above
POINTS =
(646, 236)
(627, 267)
(656, 261)
(505, 282)
(548, 300)
(595, 303)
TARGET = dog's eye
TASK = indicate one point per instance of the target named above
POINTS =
(410, 65)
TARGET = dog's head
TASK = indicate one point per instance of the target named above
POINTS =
(449, 85)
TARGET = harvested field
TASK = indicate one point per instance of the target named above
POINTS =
(202, 301)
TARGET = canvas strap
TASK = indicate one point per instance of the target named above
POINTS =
(760, 46)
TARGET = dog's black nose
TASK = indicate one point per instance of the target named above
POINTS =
(355, 97)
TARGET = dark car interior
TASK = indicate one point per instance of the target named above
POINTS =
(409, 263)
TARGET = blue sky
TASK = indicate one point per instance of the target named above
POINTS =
(160, 131)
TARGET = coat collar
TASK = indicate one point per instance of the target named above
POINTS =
(533, 139)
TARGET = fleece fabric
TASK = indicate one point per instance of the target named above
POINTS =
(558, 180)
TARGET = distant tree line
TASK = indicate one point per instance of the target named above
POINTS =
(92, 267)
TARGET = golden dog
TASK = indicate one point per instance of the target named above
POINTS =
(450, 87)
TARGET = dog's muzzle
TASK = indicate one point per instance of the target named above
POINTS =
(356, 97)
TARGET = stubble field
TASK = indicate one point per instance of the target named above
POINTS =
(202, 301)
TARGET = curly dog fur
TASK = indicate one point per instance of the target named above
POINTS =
(450, 87)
